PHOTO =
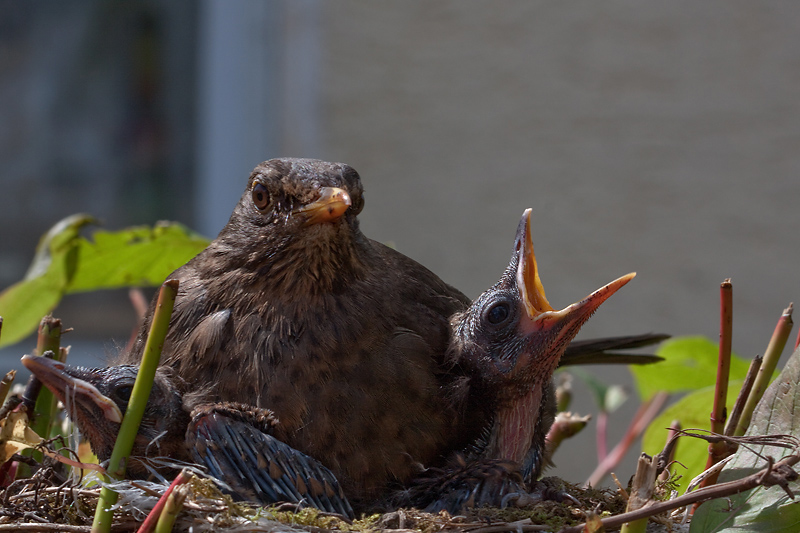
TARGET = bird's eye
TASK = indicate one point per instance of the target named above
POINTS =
(498, 313)
(123, 393)
(260, 197)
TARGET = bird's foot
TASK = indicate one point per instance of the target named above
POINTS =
(464, 484)
(546, 489)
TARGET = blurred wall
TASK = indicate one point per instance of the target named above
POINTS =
(662, 138)
(657, 137)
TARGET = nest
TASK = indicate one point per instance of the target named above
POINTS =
(46, 502)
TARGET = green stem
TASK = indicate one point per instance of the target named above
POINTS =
(49, 341)
(149, 524)
(771, 357)
(139, 396)
(171, 510)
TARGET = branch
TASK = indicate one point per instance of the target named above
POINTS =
(780, 473)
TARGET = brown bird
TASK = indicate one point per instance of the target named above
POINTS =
(292, 308)
(507, 345)
(232, 441)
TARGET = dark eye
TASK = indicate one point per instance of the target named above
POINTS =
(498, 313)
(123, 393)
(260, 197)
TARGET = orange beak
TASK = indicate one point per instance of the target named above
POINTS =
(329, 207)
(541, 315)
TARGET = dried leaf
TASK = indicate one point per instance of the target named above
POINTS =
(15, 435)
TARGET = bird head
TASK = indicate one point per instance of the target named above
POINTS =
(509, 342)
(512, 333)
(294, 211)
(96, 400)
(301, 193)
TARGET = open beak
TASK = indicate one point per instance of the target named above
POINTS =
(541, 315)
(70, 388)
(331, 205)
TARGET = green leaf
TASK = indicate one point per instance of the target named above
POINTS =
(693, 412)
(760, 509)
(24, 304)
(65, 263)
(134, 257)
(690, 364)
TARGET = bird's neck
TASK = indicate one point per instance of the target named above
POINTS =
(514, 426)
(297, 269)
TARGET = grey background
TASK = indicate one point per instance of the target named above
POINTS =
(657, 137)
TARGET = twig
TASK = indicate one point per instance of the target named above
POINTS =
(5, 386)
(641, 493)
(667, 455)
(139, 303)
(520, 525)
(563, 391)
(646, 413)
(38, 401)
(566, 425)
(150, 522)
(747, 386)
(796, 342)
(771, 357)
(171, 510)
(724, 360)
(601, 435)
(719, 450)
(11, 403)
(779, 473)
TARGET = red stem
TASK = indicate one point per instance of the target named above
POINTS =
(150, 522)
(646, 413)
(602, 435)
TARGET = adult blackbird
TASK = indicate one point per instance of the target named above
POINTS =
(507, 345)
(504, 406)
(292, 308)
(232, 441)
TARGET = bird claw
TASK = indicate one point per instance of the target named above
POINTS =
(518, 499)
(543, 490)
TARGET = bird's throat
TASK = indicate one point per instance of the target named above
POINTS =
(515, 425)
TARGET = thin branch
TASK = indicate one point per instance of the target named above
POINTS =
(718, 415)
(646, 413)
(150, 522)
(771, 357)
(744, 393)
(5, 385)
(780, 474)
(719, 450)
